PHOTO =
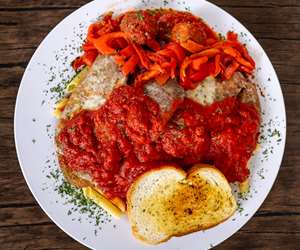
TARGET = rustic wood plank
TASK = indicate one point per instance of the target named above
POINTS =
(11, 77)
(255, 3)
(42, 4)
(34, 237)
(13, 190)
(25, 215)
(8, 58)
(280, 15)
(266, 241)
(78, 3)
(23, 225)
(25, 25)
(275, 24)
(48, 236)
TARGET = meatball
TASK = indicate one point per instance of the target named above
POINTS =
(169, 18)
(182, 32)
(140, 26)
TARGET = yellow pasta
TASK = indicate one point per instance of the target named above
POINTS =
(77, 79)
(59, 107)
(244, 186)
(102, 202)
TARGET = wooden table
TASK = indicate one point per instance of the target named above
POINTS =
(23, 25)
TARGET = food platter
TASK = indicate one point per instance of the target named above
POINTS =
(34, 131)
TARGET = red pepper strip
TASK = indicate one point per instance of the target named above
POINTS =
(188, 84)
(208, 52)
(127, 52)
(172, 65)
(210, 41)
(162, 78)
(232, 36)
(222, 67)
(92, 31)
(241, 48)
(102, 43)
(245, 53)
(77, 63)
(221, 44)
(217, 65)
(201, 74)
(154, 71)
(120, 60)
(88, 46)
(209, 32)
(142, 55)
(173, 68)
(231, 69)
(178, 51)
(166, 52)
(237, 55)
(192, 46)
(196, 63)
(155, 57)
(185, 64)
(89, 57)
(211, 68)
(245, 69)
(122, 43)
(149, 75)
(153, 44)
(130, 65)
(231, 51)
(244, 62)
(226, 59)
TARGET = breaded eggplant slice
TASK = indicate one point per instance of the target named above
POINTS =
(168, 96)
(211, 90)
(103, 77)
(91, 93)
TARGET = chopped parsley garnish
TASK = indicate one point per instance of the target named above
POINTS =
(221, 37)
(239, 208)
(76, 197)
(140, 15)
(152, 12)
(275, 133)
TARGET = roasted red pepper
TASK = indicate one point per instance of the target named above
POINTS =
(102, 44)
(130, 65)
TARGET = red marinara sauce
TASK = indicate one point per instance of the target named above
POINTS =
(127, 136)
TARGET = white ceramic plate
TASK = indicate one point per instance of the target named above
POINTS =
(34, 128)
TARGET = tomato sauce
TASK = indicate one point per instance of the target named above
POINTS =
(127, 136)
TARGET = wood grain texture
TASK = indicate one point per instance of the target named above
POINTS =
(23, 25)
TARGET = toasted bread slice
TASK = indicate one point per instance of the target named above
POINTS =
(168, 202)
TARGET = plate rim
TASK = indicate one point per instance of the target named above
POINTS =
(17, 143)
